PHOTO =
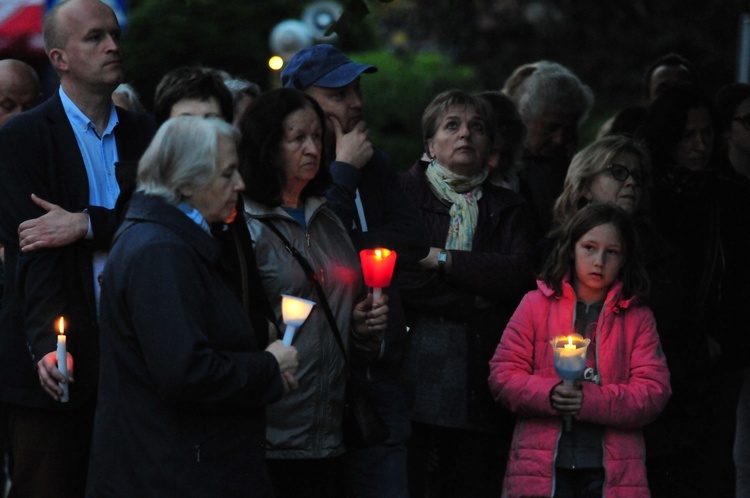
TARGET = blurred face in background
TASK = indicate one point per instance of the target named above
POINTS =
(18, 92)
(697, 143)
(665, 77)
(621, 184)
(738, 135)
(209, 108)
(553, 134)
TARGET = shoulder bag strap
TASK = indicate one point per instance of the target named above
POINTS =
(312, 277)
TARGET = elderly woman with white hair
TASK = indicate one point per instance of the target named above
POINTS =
(183, 384)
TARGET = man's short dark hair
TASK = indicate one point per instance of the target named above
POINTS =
(670, 59)
(191, 82)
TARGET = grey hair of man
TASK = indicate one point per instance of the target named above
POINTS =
(131, 95)
(183, 153)
(552, 85)
(435, 110)
(239, 87)
(593, 160)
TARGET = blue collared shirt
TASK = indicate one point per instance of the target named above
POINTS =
(99, 151)
(194, 215)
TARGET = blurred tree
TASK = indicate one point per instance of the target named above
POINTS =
(607, 43)
(398, 93)
(228, 35)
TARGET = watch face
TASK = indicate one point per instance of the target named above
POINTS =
(443, 257)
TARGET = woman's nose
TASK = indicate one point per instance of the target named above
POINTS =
(239, 185)
(312, 147)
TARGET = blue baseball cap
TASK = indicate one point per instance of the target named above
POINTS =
(321, 65)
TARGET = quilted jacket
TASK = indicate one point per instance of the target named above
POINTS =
(633, 389)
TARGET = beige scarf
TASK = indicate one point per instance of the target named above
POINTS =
(462, 193)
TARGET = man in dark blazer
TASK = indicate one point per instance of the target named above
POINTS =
(42, 154)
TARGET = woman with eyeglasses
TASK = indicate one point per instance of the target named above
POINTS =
(612, 170)
(699, 297)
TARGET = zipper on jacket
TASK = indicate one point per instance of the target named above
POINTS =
(307, 238)
(198, 453)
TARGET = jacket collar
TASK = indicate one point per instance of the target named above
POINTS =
(258, 210)
(154, 209)
(613, 301)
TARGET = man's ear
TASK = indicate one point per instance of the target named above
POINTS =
(59, 59)
(187, 191)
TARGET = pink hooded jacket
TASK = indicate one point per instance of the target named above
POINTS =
(634, 389)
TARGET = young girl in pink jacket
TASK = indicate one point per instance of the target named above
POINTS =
(590, 286)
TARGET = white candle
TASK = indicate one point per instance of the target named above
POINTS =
(289, 335)
(294, 311)
(62, 359)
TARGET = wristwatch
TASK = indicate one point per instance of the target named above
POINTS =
(441, 260)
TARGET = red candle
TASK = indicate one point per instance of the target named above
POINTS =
(377, 266)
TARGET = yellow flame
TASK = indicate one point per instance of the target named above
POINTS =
(61, 326)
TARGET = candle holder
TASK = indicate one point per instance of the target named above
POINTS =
(569, 358)
(62, 359)
(294, 312)
(377, 267)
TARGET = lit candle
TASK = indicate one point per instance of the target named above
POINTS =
(294, 312)
(62, 358)
(377, 267)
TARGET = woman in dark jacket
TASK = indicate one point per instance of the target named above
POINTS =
(697, 296)
(183, 385)
(460, 297)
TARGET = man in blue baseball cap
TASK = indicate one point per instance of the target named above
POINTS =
(369, 201)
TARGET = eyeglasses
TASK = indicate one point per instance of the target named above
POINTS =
(745, 120)
(621, 173)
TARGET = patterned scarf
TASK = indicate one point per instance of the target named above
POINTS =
(462, 193)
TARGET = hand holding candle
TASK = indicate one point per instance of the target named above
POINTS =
(294, 312)
(377, 267)
(62, 359)
(569, 358)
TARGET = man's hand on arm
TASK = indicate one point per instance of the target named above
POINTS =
(56, 228)
(354, 147)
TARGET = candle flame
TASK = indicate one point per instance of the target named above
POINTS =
(570, 344)
(61, 326)
(381, 253)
